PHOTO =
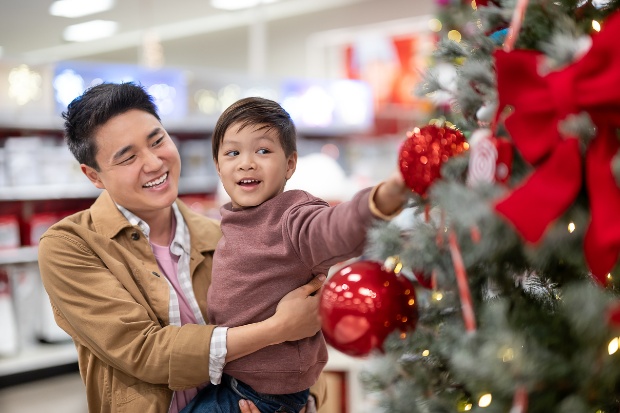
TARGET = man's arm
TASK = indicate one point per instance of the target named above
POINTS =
(103, 308)
(296, 317)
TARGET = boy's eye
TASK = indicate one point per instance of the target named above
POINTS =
(231, 153)
(263, 151)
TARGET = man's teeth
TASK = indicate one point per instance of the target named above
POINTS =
(157, 181)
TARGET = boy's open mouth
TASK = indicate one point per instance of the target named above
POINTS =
(248, 182)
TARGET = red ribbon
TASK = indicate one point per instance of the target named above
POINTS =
(592, 84)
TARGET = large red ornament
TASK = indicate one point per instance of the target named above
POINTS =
(362, 304)
(424, 152)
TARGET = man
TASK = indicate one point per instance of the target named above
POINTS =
(128, 277)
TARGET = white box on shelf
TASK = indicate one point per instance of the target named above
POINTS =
(25, 286)
(4, 180)
(9, 340)
(23, 165)
(9, 232)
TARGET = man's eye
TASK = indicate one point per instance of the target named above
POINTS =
(158, 141)
(127, 160)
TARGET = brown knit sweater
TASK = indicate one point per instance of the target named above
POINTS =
(266, 252)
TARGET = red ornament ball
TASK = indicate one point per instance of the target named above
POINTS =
(362, 304)
(424, 152)
(425, 280)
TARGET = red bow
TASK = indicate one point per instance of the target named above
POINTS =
(591, 84)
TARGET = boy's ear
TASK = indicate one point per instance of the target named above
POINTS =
(217, 168)
(92, 175)
(291, 165)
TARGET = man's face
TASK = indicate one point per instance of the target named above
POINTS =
(139, 164)
(252, 165)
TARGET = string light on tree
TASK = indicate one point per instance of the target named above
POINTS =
(485, 400)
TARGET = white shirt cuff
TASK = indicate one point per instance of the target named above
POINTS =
(217, 355)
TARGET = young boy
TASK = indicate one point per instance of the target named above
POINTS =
(269, 234)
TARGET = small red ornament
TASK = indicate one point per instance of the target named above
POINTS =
(362, 304)
(425, 280)
(613, 315)
(424, 152)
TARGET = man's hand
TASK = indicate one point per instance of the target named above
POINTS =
(297, 314)
(247, 406)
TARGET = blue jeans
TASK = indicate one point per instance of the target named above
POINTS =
(224, 398)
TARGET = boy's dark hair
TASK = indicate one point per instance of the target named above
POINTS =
(97, 105)
(254, 111)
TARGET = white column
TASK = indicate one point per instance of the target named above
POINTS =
(257, 43)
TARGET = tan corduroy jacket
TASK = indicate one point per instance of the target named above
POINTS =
(107, 293)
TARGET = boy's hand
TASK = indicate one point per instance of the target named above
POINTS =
(391, 194)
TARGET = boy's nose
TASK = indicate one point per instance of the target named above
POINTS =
(247, 163)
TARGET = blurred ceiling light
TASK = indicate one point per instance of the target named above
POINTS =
(79, 8)
(24, 84)
(84, 32)
(238, 4)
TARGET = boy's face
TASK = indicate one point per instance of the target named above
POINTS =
(252, 165)
(139, 164)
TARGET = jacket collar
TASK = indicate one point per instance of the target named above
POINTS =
(107, 219)
(109, 222)
(203, 233)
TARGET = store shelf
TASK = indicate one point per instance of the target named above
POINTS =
(18, 255)
(44, 192)
(79, 191)
(198, 185)
(38, 357)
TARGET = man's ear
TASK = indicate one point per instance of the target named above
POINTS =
(92, 175)
(291, 165)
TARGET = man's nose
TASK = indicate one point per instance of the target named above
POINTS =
(152, 162)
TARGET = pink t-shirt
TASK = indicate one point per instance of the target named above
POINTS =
(167, 262)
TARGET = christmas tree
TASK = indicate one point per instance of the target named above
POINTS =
(511, 240)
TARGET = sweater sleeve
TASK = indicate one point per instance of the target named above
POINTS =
(324, 235)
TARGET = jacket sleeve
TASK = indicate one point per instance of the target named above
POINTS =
(323, 236)
(319, 391)
(100, 307)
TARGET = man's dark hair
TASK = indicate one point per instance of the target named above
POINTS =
(97, 105)
(254, 111)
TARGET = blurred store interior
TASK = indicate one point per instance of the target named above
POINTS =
(344, 69)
